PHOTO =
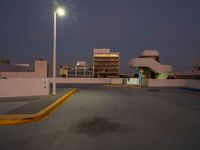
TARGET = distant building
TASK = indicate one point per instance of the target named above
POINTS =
(149, 66)
(80, 70)
(63, 71)
(25, 71)
(106, 64)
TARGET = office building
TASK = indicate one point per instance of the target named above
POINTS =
(106, 64)
(80, 70)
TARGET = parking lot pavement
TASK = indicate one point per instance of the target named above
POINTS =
(28, 105)
(99, 118)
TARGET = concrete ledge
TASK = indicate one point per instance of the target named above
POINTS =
(19, 87)
(121, 86)
(180, 83)
(116, 81)
(82, 80)
(29, 118)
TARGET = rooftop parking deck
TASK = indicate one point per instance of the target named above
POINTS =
(100, 117)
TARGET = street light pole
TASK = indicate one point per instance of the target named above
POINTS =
(60, 12)
(54, 55)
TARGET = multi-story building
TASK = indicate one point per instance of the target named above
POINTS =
(80, 70)
(106, 64)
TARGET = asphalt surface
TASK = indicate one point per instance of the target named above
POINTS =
(29, 105)
(114, 118)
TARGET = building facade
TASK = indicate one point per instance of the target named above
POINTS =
(106, 64)
(148, 65)
(80, 70)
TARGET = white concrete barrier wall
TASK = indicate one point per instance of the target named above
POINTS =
(132, 81)
(82, 80)
(116, 81)
(165, 83)
(195, 84)
(174, 83)
(89, 80)
(17, 87)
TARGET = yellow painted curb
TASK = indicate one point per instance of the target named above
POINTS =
(28, 118)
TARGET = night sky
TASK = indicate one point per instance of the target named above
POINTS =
(129, 26)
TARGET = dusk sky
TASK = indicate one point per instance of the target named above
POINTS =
(128, 26)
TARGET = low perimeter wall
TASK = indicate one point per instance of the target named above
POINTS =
(132, 81)
(116, 81)
(82, 80)
(173, 83)
(89, 80)
(195, 84)
(17, 87)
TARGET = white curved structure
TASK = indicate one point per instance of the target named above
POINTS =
(150, 53)
(149, 63)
